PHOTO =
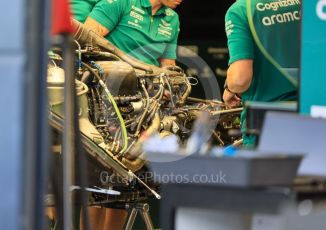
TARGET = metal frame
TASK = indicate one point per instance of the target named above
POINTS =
(133, 210)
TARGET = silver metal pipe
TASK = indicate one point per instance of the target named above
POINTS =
(219, 112)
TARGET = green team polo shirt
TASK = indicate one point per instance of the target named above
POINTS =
(81, 8)
(134, 30)
(277, 24)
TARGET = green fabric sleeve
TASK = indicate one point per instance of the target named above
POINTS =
(108, 13)
(81, 8)
(171, 48)
(240, 42)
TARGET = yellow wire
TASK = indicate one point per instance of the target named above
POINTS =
(262, 49)
(123, 126)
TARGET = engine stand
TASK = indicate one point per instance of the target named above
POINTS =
(133, 210)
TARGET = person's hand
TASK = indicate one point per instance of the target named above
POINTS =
(166, 95)
(231, 99)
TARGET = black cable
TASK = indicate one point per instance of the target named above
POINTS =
(92, 71)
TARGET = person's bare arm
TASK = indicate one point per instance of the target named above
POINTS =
(96, 27)
(166, 62)
(239, 75)
(238, 80)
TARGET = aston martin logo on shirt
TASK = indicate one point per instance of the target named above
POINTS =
(165, 23)
(169, 12)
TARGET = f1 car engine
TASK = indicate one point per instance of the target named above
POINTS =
(123, 101)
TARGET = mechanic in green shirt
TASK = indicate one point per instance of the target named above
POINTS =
(145, 29)
(251, 76)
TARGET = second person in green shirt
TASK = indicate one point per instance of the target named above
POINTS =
(145, 29)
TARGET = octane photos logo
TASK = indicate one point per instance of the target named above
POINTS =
(321, 9)
(218, 178)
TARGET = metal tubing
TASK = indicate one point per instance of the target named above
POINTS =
(69, 130)
(132, 213)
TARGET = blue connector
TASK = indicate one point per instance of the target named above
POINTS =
(230, 151)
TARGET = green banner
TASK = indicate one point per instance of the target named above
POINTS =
(313, 56)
